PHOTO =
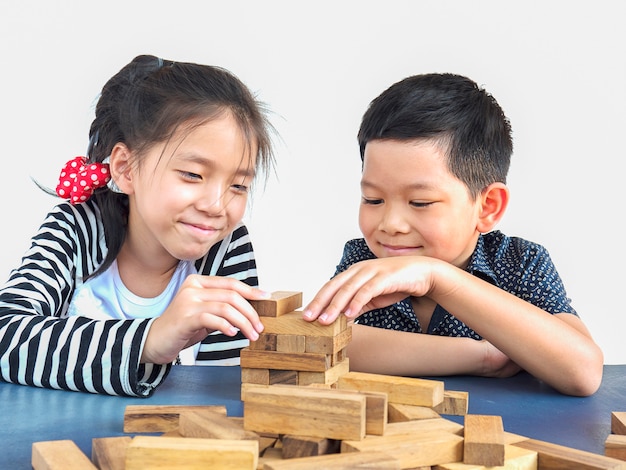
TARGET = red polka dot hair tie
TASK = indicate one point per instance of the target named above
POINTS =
(79, 179)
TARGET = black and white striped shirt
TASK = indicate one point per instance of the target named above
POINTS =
(41, 346)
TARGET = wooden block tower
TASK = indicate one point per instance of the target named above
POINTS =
(293, 351)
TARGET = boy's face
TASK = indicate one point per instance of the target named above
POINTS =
(412, 205)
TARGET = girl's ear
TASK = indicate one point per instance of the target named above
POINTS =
(494, 200)
(120, 168)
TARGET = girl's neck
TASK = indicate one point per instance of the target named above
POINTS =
(145, 276)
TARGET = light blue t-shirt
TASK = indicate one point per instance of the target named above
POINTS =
(105, 297)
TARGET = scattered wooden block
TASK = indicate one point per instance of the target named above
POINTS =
(59, 455)
(304, 411)
(283, 361)
(109, 453)
(191, 453)
(618, 422)
(558, 457)
(454, 403)
(398, 412)
(293, 324)
(307, 446)
(212, 425)
(412, 450)
(405, 390)
(615, 446)
(417, 427)
(484, 440)
(159, 418)
(281, 302)
(349, 461)
(515, 458)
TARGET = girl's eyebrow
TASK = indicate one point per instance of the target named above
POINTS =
(208, 163)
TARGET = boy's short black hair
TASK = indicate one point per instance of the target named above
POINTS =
(452, 109)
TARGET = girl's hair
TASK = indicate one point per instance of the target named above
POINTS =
(454, 111)
(146, 102)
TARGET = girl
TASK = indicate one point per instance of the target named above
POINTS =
(148, 262)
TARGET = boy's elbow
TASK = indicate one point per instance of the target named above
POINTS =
(586, 381)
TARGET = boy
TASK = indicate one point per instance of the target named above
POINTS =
(436, 151)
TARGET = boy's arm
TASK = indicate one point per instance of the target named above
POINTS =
(393, 352)
(555, 348)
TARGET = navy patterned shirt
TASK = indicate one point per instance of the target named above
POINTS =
(513, 264)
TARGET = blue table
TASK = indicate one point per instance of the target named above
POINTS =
(527, 406)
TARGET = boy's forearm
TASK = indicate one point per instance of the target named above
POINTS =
(391, 352)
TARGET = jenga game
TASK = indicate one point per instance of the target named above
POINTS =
(304, 409)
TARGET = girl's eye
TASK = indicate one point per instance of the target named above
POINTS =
(240, 188)
(373, 202)
(190, 176)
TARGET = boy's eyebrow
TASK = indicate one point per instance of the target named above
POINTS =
(417, 185)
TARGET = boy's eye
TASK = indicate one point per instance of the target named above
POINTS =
(420, 204)
(372, 202)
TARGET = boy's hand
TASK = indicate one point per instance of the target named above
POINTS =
(369, 285)
(203, 305)
(496, 363)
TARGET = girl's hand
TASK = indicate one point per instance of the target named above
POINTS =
(371, 284)
(203, 305)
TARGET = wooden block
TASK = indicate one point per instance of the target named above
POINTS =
(397, 412)
(484, 440)
(191, 453)
(288, 377)
(159, 418)
(109, 453)
(454, 403)
(307, 446)
(349, 461)
(375, 413)
(281, 302)
(212, 425)
(59, 455)
(615, 446)
(618, 422)
(327, 377)
(304, 411)
(255, 376)
(515, 458)
(405, 390)
(293, 324)
(328, 344)
(284, 361)
(266, 342)
(412, 450)
(558, 457)
(422, 426)
(290, 343)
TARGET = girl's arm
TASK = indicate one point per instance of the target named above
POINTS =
(39, 345)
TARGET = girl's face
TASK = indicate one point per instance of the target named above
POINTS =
(190, 193)
(412, 205)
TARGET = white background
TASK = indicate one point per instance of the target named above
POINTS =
(558, 69)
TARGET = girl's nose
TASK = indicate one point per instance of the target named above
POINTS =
(212, 200)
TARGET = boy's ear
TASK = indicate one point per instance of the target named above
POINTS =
(494, 200)
(120, 167)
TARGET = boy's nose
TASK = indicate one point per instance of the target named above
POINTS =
(394, 221)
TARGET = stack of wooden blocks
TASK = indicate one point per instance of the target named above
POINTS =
(304, 409)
